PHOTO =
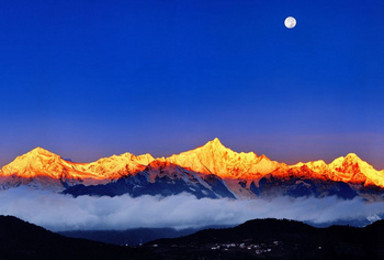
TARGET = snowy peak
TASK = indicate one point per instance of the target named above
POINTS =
(353, 169)
(216, 142)
(350, 158)
(36, 156)
(350, 164)
(215, 158)
(349, 169)
(40, 162)
(36, 162)
(211, 148)
(117, 166)
(144, 159)
(214, 145)
(39, 152)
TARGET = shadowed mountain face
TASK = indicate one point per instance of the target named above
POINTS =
(168, 181)
(21, 240)
(212, 171)
(276, 239)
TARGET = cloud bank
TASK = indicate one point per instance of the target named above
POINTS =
(62, 212)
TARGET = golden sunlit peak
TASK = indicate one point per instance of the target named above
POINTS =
(353, 156)
(40, 150)
(214, 146)
(215, 143)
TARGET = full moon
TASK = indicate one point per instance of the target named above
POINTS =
(290, 22)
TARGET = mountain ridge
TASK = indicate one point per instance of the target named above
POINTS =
(237, 170)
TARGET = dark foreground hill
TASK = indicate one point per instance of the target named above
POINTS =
(131, 237)
(276, 239)
(255, 239)
(22, 240)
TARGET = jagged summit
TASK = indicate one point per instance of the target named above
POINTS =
(350, 157)
(353, 156)
(213, 145)
(215, 158)
(40, 151)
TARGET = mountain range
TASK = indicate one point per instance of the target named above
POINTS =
(211, 170)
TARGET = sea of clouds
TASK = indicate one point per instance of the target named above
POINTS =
(59, 212)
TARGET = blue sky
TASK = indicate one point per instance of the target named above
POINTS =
(87, 79)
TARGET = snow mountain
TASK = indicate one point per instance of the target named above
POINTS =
(211, 170)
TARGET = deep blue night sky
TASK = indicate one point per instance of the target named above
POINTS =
(87, 79)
